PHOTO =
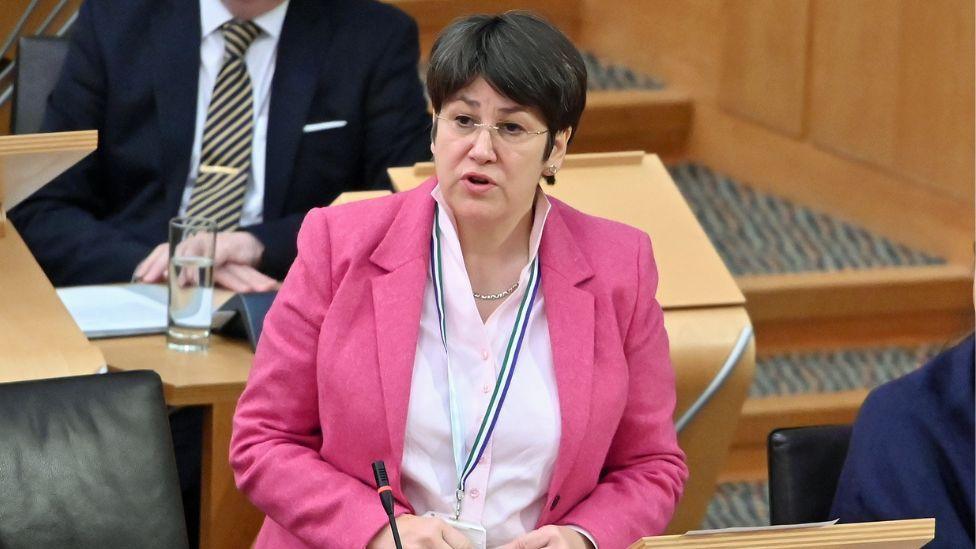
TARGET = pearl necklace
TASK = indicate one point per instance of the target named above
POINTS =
(499, 295)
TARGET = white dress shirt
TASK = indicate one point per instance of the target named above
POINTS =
(260, 60)
(508, 487)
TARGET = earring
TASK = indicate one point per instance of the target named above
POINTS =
(551, 170)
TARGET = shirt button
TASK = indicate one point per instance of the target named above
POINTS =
(484, 354)
(474, 493)
(486, 388)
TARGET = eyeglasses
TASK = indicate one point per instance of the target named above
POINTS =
(509, 132)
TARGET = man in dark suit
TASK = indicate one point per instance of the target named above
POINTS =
(911, 453)
(333, 99)
(249, 111)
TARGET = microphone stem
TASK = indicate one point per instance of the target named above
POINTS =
(396, 533)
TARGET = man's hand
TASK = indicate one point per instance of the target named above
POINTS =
(237, 249)
(421, 533)
(551, 537)
(243, 279)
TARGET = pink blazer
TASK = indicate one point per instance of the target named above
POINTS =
(330, 385)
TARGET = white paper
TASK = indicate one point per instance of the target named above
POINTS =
(739, 529)
(118, 309)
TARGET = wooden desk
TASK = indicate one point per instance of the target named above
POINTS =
(214, 380)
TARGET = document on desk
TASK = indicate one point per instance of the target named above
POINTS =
(117, 309)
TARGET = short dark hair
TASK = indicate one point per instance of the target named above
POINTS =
(521, 56)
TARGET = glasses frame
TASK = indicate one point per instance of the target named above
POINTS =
(493, 129)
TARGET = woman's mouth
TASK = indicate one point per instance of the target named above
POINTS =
(477, 183)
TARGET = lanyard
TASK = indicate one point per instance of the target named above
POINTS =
(466, 465)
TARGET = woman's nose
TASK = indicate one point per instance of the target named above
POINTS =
(483, 148)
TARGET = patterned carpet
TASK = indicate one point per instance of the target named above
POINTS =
(834, 371)
(758, 233)
(603, 75)
(738, 504)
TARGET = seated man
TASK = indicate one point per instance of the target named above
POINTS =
(911, 452)
(250, 112)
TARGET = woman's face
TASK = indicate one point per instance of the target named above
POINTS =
(487, 175)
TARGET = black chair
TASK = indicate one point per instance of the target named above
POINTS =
(39, 61)
(804, 465)
(87, 462)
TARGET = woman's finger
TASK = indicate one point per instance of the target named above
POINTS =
(454, 538)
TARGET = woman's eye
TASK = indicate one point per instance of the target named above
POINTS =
(464, 121)
(511, 128)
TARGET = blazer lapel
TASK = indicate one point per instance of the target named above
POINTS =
(176, 33)
(398, 297)
(571, 318)
(305, 36)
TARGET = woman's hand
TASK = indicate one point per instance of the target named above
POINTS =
(551, 537)
(421, 533)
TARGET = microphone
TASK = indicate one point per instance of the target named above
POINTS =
(386, 497)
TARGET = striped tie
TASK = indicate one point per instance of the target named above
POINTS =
(225, 151)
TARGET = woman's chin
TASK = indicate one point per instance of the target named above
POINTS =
(472, 210)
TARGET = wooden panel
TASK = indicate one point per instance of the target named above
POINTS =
(677, 41)
(858, 292)
(433, 15)
(38, 338)
(764, 53)
(854, 76)
(28, 162)
(893, 534)
(934, 140)
(701, 340)
(230, 520)
(657, 121)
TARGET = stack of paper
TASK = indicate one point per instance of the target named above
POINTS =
(117, 310)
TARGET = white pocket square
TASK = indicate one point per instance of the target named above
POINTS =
(320, 126)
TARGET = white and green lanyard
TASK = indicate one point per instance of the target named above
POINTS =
(466, 465)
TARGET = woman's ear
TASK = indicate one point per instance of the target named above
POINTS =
(559, 145)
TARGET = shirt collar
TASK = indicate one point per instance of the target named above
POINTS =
(542, 207)
(213, 14)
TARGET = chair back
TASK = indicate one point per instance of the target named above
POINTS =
(39, 61)
(804, 465)
(87, 462)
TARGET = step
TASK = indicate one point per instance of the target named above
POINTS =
(813, 279)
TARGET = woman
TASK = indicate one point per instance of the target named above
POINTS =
(502, 352)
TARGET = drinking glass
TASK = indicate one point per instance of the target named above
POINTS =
(191, 258)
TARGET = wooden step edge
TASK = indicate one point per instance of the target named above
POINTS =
(862, 292)
(665, 97)
(760, 416)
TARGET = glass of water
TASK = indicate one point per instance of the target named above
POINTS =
(191, 258)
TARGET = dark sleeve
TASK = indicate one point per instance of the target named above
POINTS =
(61, 222)
(397, 123)
(397, 133)
(279, 239)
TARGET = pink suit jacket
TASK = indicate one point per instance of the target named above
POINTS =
(330, 385)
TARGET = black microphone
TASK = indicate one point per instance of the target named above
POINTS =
(386, 497)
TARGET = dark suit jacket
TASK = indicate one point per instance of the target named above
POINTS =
(911, 453)
(132, 73)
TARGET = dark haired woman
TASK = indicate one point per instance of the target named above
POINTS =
(502, 352)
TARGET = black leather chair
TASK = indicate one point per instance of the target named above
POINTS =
(804, 465)
(87, 462)
(39, 61)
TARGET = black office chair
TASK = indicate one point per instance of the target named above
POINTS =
(87, 462)
(39, 61)
(804, 465)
